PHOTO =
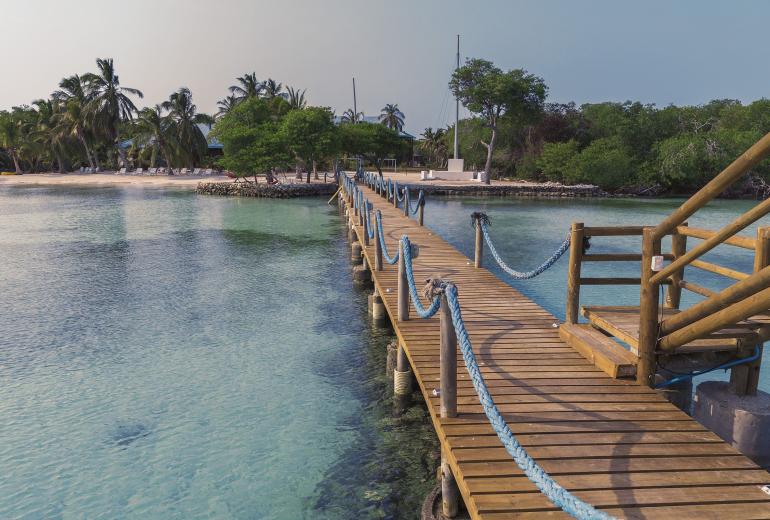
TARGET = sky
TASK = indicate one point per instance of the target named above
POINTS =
(399, 51)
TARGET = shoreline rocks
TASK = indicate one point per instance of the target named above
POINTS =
(274, 191)
(546, 189)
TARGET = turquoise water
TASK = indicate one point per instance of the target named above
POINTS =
(527, 231)
(165, 355)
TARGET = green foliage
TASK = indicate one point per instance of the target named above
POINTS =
(374, 142)
(310, 134)
(606, 162)
(557, 160)
(250, 135)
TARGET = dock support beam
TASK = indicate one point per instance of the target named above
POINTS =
(478, 251)
(366, 228)
(648, 311)
(377, 249)
(421, 212)
(450, 493)
(573, 273)
(402, 375)
(403, 286)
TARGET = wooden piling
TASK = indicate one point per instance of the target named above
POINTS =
(479, 248)
(450, 493)
(421, 212)
(447, 361)
(403, 286)
(573, 273)
(365, 223)
(377, 248)
(648, 311)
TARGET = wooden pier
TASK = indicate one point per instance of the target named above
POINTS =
(614, 443)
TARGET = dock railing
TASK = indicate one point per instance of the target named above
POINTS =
(748, 297)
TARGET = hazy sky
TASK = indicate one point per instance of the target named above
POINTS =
(399, 51)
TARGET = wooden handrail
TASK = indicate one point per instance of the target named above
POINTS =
(716, 186)
(705, 234)
(752, 284)
(748, 218)
(619, 257)
(718, 269)
(739, 311)
(613, 231)
(695, 288)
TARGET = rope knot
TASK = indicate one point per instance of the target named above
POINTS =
(483, 218)
(433, 287)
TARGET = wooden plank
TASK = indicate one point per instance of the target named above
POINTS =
(600, 350)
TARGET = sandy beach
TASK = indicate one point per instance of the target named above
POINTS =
(107, 179)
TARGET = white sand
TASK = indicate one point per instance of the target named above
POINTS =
(107, 179)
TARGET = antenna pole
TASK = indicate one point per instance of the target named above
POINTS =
(457, 107)
(355, 107)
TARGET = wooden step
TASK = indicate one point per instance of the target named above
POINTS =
(600, 350)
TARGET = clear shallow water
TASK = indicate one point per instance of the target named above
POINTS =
(527, 231)
(164, 355)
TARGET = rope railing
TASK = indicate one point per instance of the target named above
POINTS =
(559, 496)
(482, 221)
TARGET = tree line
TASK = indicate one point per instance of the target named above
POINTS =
(623, 147)
(92, 120)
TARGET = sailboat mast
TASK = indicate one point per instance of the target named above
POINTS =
(355, 107)
(457, 107)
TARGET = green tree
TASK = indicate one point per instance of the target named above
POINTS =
(155, 130)
(247, 86)
(392, 117)
(373, 142)
(189, 141)
(272, 88)
(296, 98)
(349, 116)
(557, 160)
(311, 135)
(11, 137)
(109, 103)
(226, 104)
(491, 93)
(251, 139)
(45, 132)
(605, 162)
(433, 143)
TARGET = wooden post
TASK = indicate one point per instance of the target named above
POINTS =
(377, 249)
(403, 286)
(365, 223)
(421, 212)
(479, 249)
(674, 291)
(450, 493)
(573, 273)
(447, 361)
(750, 374)
(406, 203)
(648, 311)
(395, 195)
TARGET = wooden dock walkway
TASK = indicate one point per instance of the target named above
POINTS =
(614, 444)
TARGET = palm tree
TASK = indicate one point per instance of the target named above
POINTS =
(348, 116)
(247, 86)
(11, 137)
(392, 117)
(434, 145)
(226, 105)
(189, 139)
(272, 89)
(108, 103)
(296, 98)
(71, 121)
(156, 130)
(45, 129)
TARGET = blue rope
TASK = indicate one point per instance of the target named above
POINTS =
(389, 259)
(559, 496)
(420, 202)
(367, 209)
(723, 366)
(400, 197)
(519, 275)
(406, 247)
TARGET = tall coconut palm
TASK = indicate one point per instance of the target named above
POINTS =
(11, 137)
(72, 121)
(108, 103)
(226, 105)
(189, 139)
(296, 98)
(155, 130)
(272, 88)
(434, 145)
(45, 131)
(348, 116)
(248, 86)
(392, 117)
